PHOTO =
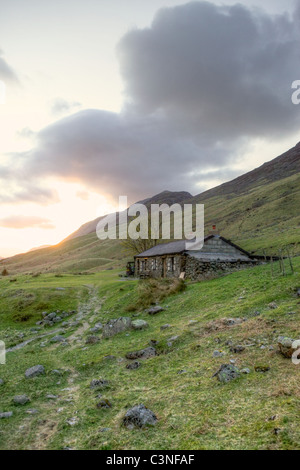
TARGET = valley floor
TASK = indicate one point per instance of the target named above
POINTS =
(259, 410)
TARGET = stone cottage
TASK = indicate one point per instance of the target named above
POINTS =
(170, 260)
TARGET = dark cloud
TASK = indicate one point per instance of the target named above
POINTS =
(117, 154)
(7, 74)
(22, 221)
(61, 106)
(201, 83)
(221, 71)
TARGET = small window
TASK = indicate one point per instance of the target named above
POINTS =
(171, 264)
(154, 264)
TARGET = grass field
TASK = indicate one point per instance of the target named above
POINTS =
(194, 410)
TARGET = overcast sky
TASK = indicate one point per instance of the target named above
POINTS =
(133, 97)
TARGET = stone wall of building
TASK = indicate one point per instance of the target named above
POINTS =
(197, 270)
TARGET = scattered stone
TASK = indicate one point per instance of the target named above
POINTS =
(72, 421)
(262, 369)
(7, 414)
(113, 327)
(155, 310)
(57, 372)
(192, 322)
(99, 384)
(232, 321)
(98, 327)
(133, 365)
(227, 372)
(139, 325)
(153, 342)
(142, 353)
(237, 349)
(298, 293)
(104, 429)
(218, 353)
(104, 403)
(272, 418)
(1, 382)
(51, 316)
(31, 411)
(109, 358)
(273, 305)
(92, 340)
(51, 397)
(57, 319)
(288, 346)
(172, 340)
(232, 361)
(34, 371)
(183, 371)
(21, 400)
(35, 330)
(165, 327)
(139, 417)
(58, 339)
(245, 371)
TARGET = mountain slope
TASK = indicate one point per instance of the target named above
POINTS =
(277, 169)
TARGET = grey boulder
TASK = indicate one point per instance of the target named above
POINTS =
(115, 326)
(226, 373)
(155, 310)
(99, 384)
(142, 353)
(133, 365)
(7, 414)
(21, 400)
(139, 417)
(34, 371)
(58, 339)
(139, 325)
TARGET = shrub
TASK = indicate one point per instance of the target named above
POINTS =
(4, 272)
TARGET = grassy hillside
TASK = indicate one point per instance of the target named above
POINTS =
(79, 255)
(194, 410)
(266, 217)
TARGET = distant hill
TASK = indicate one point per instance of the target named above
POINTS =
(258, 210)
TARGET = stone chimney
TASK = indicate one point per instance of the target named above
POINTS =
(214, 230)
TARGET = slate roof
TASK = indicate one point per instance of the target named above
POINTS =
(179, 247)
